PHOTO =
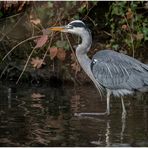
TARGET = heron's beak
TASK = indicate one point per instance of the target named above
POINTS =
(58, 28)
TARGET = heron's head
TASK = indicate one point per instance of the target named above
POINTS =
(75, 27)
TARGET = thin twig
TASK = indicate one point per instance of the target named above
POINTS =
(12, 28)
(131, 36)
(91, 20)
(109, 34)
(48, 46)
(4, 71)
(25, 65)
(71, 48)
(73, 54)
(18, 45)
(2, 19)
(88, 12)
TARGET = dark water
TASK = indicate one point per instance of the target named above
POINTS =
(43, 116)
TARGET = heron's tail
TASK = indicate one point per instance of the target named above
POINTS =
(145, 74)
(145, 78)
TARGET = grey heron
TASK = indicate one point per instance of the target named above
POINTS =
(114, 72)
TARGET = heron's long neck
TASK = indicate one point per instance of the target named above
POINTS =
(81, 52)
(84, 60)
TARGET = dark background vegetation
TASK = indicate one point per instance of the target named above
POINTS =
(30, 52)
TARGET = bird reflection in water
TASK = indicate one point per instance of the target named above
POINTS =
(108, 135)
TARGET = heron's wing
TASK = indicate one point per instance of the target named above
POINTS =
(118, 71)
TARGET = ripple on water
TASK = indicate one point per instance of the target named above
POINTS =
(43, 116)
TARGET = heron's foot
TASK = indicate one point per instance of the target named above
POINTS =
(107, 112)
(90, 114)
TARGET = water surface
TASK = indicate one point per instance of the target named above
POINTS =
(44, 116)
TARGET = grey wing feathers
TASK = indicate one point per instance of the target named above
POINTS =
(118, 71)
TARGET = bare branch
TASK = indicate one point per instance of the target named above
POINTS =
(25, 65)
(18, 45)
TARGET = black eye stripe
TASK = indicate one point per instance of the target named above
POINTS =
(78, 24)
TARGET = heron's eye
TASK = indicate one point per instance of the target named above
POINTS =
(69, 26)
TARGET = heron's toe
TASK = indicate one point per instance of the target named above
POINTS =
(107, 112)
(77, 114)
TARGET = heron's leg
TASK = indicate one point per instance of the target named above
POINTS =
(123, 108)
(98, 114)
(108, 102)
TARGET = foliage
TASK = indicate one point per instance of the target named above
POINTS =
(129, 25)
(43, 43)
(44, 49)
(9, 8)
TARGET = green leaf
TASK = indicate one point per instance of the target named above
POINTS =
(1, 14)
(50, 4)
(145, 32)
(76, 17)
(62, 44)
(115, 46)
